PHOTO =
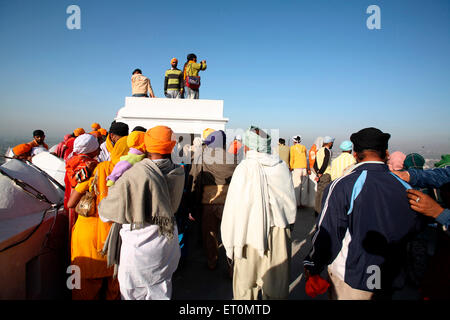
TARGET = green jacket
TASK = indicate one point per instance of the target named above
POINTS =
(193, 68)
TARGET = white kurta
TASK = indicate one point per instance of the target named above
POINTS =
(147, 262)
(104, 153)
(259, 209)
(261, 195)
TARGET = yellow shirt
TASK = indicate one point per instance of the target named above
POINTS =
(284, 152)
(320, 156)
(140, 84)
(298, 157)
(340, 164)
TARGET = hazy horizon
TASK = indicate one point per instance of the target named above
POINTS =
(305, 67)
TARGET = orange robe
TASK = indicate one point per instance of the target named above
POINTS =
(312, 156)
(89, 233)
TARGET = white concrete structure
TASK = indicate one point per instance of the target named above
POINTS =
(184, 116)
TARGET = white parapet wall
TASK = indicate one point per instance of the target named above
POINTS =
(182, 115)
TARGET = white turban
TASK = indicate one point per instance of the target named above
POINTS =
(85, 143)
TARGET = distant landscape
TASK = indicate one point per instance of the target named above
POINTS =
(430, 157)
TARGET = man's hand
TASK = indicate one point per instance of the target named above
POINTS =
(404, 175)
(308, 171)
(423, 203)
(190, 217)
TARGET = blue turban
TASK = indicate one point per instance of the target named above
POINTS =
(346, 146)
(216, 139)
(260, 142)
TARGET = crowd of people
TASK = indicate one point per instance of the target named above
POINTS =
(175, 80)
(381, 218)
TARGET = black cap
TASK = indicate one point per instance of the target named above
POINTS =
(119, 128)
(38, 133)
(191, 56)
(139, 128)
(370, 139)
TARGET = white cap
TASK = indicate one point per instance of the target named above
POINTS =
(328, 139)
(239, 138)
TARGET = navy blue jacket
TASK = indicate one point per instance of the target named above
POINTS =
(366, 221)
(433, 178)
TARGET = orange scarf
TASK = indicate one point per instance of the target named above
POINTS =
(109, 144)
(103, 170)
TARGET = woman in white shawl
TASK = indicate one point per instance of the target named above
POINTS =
(259, 210)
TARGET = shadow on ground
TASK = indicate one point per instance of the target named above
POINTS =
(194, 281)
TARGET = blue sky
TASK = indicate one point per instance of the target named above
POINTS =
(308, 67)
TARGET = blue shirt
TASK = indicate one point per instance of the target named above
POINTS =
(433, 178)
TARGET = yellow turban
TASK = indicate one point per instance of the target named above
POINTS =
(207, 132)
(136, 140)
(159, 139)
(78, 132)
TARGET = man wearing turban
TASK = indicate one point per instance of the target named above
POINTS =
(300, 170)
(173, 81)
(117, 130)
(364, 226)
(144, 201)
(343, 161)
(259, 210)
(211, 173)
(322, 168)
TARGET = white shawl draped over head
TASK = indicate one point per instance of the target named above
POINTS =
(261, 195)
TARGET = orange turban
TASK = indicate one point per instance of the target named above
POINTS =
(174, 60)
(95, 134)
(102, 131)
(95, 126)
(159, 139)
(136, 140)
(21, 149)
(78, 132)
(207, 132)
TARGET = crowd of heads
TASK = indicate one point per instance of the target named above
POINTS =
(368, 143)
